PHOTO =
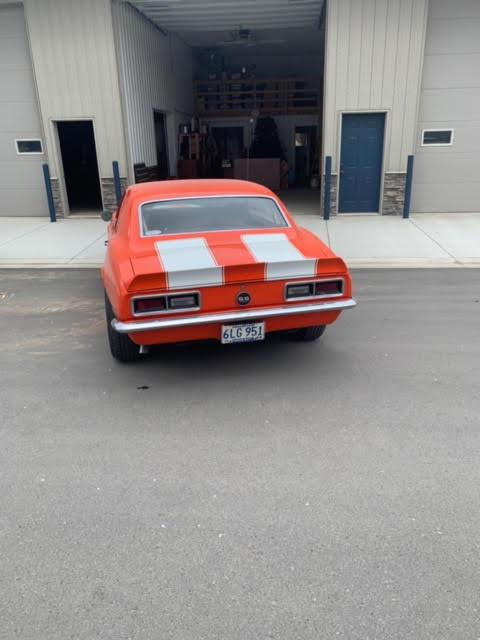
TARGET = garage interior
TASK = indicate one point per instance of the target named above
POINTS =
(257, 94)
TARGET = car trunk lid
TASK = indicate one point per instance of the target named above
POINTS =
(215, 259)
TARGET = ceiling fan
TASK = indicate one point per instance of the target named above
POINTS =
(244, 38)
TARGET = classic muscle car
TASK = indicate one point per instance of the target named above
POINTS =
(214, 260)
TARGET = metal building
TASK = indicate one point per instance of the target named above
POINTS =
(92, 85)
(447, 145)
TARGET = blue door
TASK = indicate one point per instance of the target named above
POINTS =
(361, 162)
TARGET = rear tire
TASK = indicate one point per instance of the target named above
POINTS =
(121, 347)
(309, 334)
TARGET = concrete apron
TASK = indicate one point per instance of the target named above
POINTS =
(424, 240)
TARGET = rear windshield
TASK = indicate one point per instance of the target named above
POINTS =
(209, 214)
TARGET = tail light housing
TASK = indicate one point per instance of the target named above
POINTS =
(300, 290)
(183, 301)
(330, 288)
(175, 303)
(155, 304)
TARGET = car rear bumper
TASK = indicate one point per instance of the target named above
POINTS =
(135, 326)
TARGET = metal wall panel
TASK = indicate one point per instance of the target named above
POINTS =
(446, 178)
(461, 104)
(22, 192)
(374, 54)
(76, 73)
(156, 73)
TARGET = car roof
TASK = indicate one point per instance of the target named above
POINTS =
(183, 188)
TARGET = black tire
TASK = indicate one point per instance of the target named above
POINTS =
(309, 334)
(121, 347)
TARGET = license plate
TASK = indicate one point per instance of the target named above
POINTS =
(243, 332)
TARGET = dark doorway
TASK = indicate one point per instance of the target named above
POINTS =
(305, 153)
(161, 144)
(229, 147)
(80, 167)
(361, 160)
(229, 141)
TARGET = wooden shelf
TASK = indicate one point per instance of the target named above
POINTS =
(274, 96)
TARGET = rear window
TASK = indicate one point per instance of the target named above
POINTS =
(191, 215)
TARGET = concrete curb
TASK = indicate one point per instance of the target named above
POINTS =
(51, 265)
(354, 263)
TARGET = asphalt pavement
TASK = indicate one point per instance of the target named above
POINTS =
(280, 490)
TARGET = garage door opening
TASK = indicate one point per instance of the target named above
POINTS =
(258, 109)
(80, 166)
(257, 89)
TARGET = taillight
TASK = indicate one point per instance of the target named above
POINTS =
(329, 288)
(162, 304)
(319, 289)
(150, 305)
(189, 301)
(303, 290)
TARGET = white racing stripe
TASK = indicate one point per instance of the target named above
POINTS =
(282, 258)
(189, 263)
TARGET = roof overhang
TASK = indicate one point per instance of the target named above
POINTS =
(226, 15)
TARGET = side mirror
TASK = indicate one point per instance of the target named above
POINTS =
(107, 215)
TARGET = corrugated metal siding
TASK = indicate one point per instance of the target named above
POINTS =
(156, 73)
(75, 68)
(22, 191)
(374, 56)
(448, 178)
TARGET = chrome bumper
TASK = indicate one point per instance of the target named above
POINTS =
(230, 316)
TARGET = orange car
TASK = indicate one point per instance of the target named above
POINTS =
(214, 260)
